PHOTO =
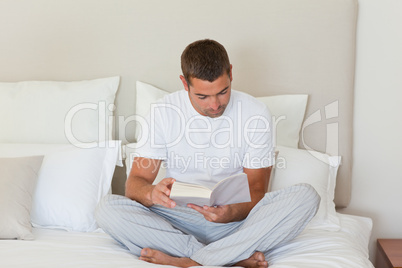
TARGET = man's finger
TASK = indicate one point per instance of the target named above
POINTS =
(199, 209)
(167, 202)
(168, 181)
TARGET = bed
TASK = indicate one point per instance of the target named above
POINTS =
(301, 66)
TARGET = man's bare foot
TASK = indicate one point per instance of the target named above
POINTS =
(158, 257)
(255, 260)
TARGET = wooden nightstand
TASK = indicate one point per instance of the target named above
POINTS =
(389, 253)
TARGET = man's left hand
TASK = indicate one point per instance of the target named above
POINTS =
(219, 214)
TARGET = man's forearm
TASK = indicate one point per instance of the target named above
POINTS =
(140, 190)
(240, 211)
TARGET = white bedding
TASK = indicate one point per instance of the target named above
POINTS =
(313, 248)
(347, 247)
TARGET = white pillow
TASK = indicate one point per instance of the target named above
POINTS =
(71, 182)
(18, 178)
(288, 114)
(78, 112)
(295, 166)
(146, 95)
(129, 154)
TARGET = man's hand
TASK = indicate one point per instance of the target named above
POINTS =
(219, 214)
(258, 181)
(161, 192)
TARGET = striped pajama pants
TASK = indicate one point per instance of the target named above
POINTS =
(183, 232)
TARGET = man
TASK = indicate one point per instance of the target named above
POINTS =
(203, 134)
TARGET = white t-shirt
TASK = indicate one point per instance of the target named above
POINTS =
(203, 150)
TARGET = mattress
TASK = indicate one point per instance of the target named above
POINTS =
(347, 247)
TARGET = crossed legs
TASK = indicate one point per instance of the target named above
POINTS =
(182, 237)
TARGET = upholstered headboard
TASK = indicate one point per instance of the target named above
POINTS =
(289, 46)
(309, 47)
(275, 46)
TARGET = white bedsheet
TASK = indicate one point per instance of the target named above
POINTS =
(313, 248)
(317, 248)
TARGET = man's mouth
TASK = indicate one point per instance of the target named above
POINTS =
(217, 111)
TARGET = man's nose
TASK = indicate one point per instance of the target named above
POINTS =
(215, 103)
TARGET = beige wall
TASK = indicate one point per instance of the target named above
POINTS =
(85, 39)
(74, 40)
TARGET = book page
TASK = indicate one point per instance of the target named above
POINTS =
(232, 190)
(184, 193)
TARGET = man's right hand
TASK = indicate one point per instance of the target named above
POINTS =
(161, 192)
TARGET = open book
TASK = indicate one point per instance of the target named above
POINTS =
(231, 190)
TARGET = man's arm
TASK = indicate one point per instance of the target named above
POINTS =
(139, 184)
(258, 181)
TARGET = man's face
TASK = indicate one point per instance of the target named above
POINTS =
(209, 98)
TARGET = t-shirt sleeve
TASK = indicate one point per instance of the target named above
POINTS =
(258, 136)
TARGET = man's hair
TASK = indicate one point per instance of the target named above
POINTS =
(204, 59)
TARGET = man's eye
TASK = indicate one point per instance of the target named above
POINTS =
(223, 92)
(202, 97)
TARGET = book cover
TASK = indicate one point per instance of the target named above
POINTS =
(231, 190)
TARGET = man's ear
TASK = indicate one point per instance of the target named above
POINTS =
(230, 74)
(185, 84)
